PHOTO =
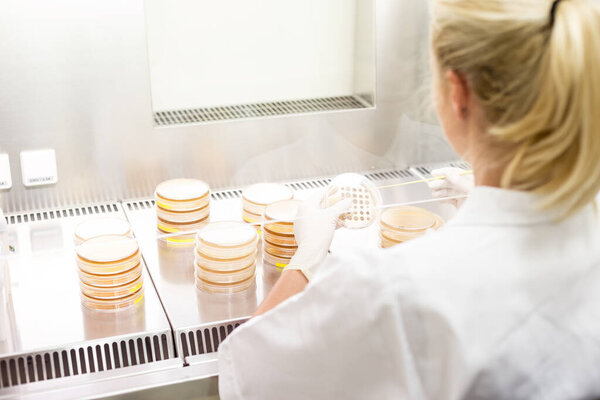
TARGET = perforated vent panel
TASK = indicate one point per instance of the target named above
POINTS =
(205, 340)
(62, 213)
(259, 110)
(43, 366)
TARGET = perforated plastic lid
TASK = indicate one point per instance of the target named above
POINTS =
(94, 227)
(408, 218)
(182, 189)
(267, 193)
(106, 249)
(227, 234)
(284, 211)
(366, 200)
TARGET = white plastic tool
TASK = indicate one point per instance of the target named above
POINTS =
(366, 200)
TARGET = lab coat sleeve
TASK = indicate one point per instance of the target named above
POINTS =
(343, 337)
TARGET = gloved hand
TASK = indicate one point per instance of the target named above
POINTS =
(314, 228)
(455, 184)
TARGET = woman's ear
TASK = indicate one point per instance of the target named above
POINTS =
(459, 94)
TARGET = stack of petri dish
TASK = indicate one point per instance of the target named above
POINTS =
(257, 197)
(110, 272)
(279, 242)
(182, 205)
(225, 257)
(94, 227)
(401, 224)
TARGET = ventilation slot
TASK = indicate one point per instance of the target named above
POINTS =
(260, 110)
(203, 341)
(63, 213)
(139, 205)
(226, 194)
(84, 360)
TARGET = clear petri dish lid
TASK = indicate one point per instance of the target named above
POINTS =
(114, 292)
(407, 218)
(114, 304)
(94, 227)
(225, 265)
(251, 217)
(227, 234)
(111, 280)
(107, 249)
(225, 288)
(174, 227)
(279, 251)
(182, 195)
(365, 197)
(279, 238)
(263, 194)
(211, 276)
(190, 216)
(284, 212)
(182, 189)
(386, 243)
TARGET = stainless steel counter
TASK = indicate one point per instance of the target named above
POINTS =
(51, 334)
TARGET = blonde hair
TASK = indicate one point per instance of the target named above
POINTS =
(539, 87)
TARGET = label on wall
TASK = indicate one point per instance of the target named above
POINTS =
(5, 178)
(38, 167)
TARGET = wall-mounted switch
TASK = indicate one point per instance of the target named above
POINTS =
(38, 167)
(5, 178)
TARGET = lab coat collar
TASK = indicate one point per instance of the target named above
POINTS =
(493, 206)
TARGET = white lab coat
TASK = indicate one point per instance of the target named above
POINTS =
(502, 303)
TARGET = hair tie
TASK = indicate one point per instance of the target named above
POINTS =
(553, 12)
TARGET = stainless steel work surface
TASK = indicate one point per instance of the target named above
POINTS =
(51, 334)
(202, 320)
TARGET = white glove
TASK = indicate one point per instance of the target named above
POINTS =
(314, 228)
(454, 185)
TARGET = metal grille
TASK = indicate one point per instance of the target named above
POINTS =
(259, 110)
(205, 340)
(395, 174)
(62, 213)
(35, 367)
(425, 170)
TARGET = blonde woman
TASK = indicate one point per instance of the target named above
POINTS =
(504, 302)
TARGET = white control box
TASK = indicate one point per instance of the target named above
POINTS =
(38, 167)
(5, 177)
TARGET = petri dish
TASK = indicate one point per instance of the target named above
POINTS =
(182, 194)
(111, 279)
(227, 240)
(386, 242)
(284, 212)
(256, 197)
(279, 251)
(106, 255)
(407, 218)
(405, 223)
(223, 265)
(112, 305)
(279, 239)
(366, 200)
(94, 227)
(174, 227)
(251, 217)
(225, 288)
(113, 292)
(183, 216)
(226, 277)
(279, 262)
